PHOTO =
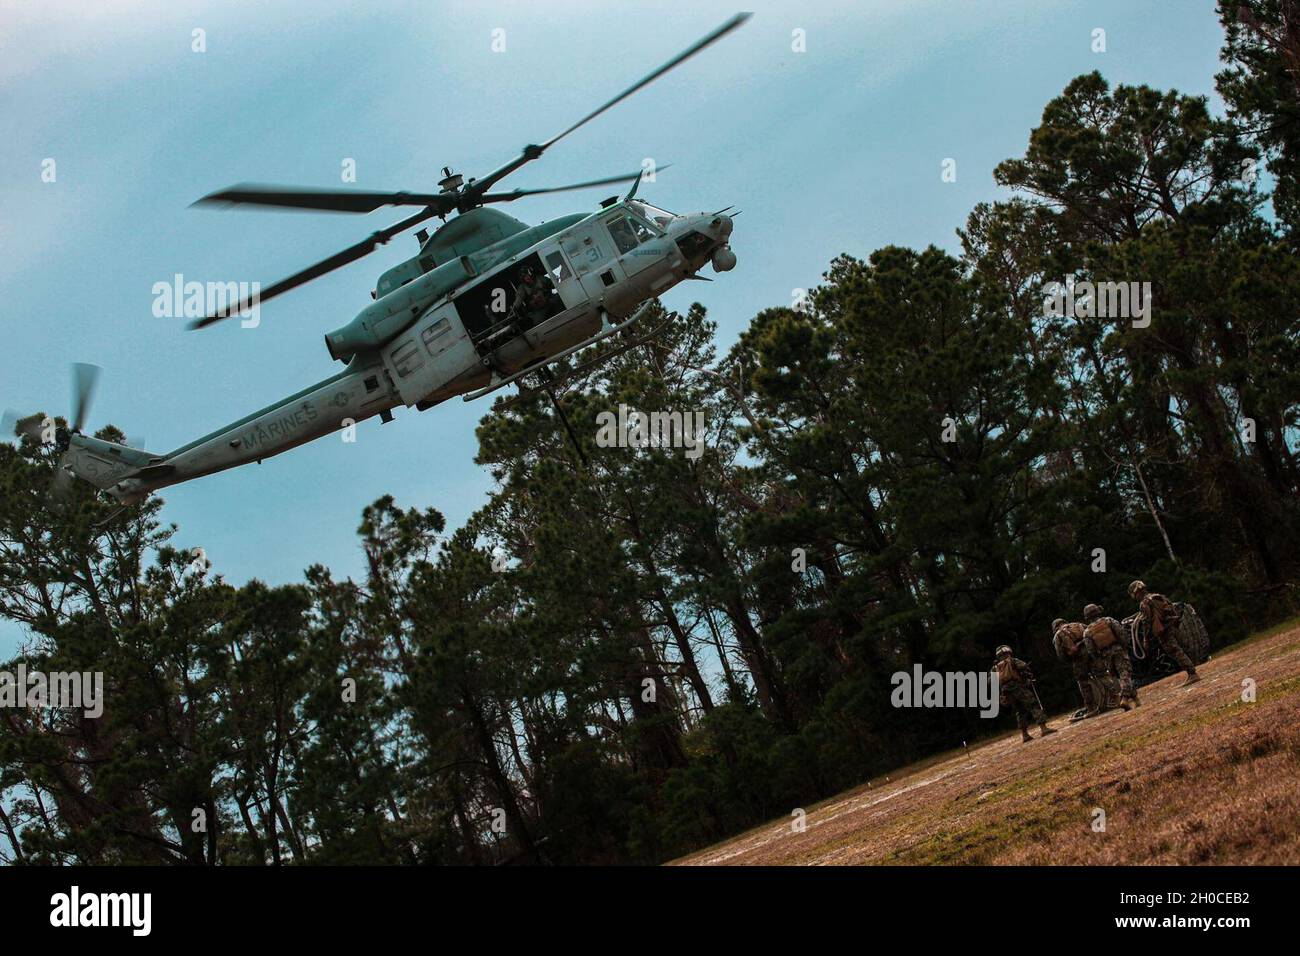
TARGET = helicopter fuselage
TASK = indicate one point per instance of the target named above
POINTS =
(451, 321)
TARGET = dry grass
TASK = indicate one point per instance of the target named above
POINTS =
(1193, 776)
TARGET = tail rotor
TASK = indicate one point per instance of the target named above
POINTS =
(47, 431)
(84, 379)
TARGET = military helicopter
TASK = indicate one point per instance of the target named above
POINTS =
(487, 301)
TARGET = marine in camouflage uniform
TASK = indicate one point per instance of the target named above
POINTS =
(1162, 619)
(1108, 639)
(1015, 690)
(1096, 686)
(529, 305)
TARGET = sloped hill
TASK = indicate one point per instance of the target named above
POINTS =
(1194, 775)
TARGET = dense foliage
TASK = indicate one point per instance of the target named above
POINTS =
(627, 653)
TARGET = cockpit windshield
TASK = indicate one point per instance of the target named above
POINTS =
(659, 217)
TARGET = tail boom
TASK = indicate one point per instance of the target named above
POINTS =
(360, 392)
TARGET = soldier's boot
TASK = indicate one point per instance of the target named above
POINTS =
(1192, 677)
(1124, 702)
(1045, 729)
(1024, 735)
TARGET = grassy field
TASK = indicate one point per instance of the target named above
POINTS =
(1195, 775)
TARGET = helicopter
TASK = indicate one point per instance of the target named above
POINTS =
(487, 302)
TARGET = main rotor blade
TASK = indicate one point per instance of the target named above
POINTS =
(533, 152)
(686, 54)
(517, 193)
(84, 378)
(350, 254)
(328, 200)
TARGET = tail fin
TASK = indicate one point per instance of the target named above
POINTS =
(105, 463)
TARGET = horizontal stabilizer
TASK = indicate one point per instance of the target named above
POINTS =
(105, 463)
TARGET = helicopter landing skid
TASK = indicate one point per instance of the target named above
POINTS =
(592, 340)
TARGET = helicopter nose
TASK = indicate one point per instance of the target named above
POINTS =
(722, 226)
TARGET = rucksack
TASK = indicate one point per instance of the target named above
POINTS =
(1101, 634)
(1164, 609)
(1067, 638)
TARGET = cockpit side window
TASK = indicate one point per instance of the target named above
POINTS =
(643, 232)
(621, 231)
(558, 268)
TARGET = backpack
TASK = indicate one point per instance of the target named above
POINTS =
(1101, 633)
(1067, 639)
(1164, 610)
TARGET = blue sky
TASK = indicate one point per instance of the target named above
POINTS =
(836, 149)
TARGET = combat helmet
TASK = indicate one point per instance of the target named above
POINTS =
(1135, 587)
(1057, 625)
(1091, 612)
(1002, 651)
